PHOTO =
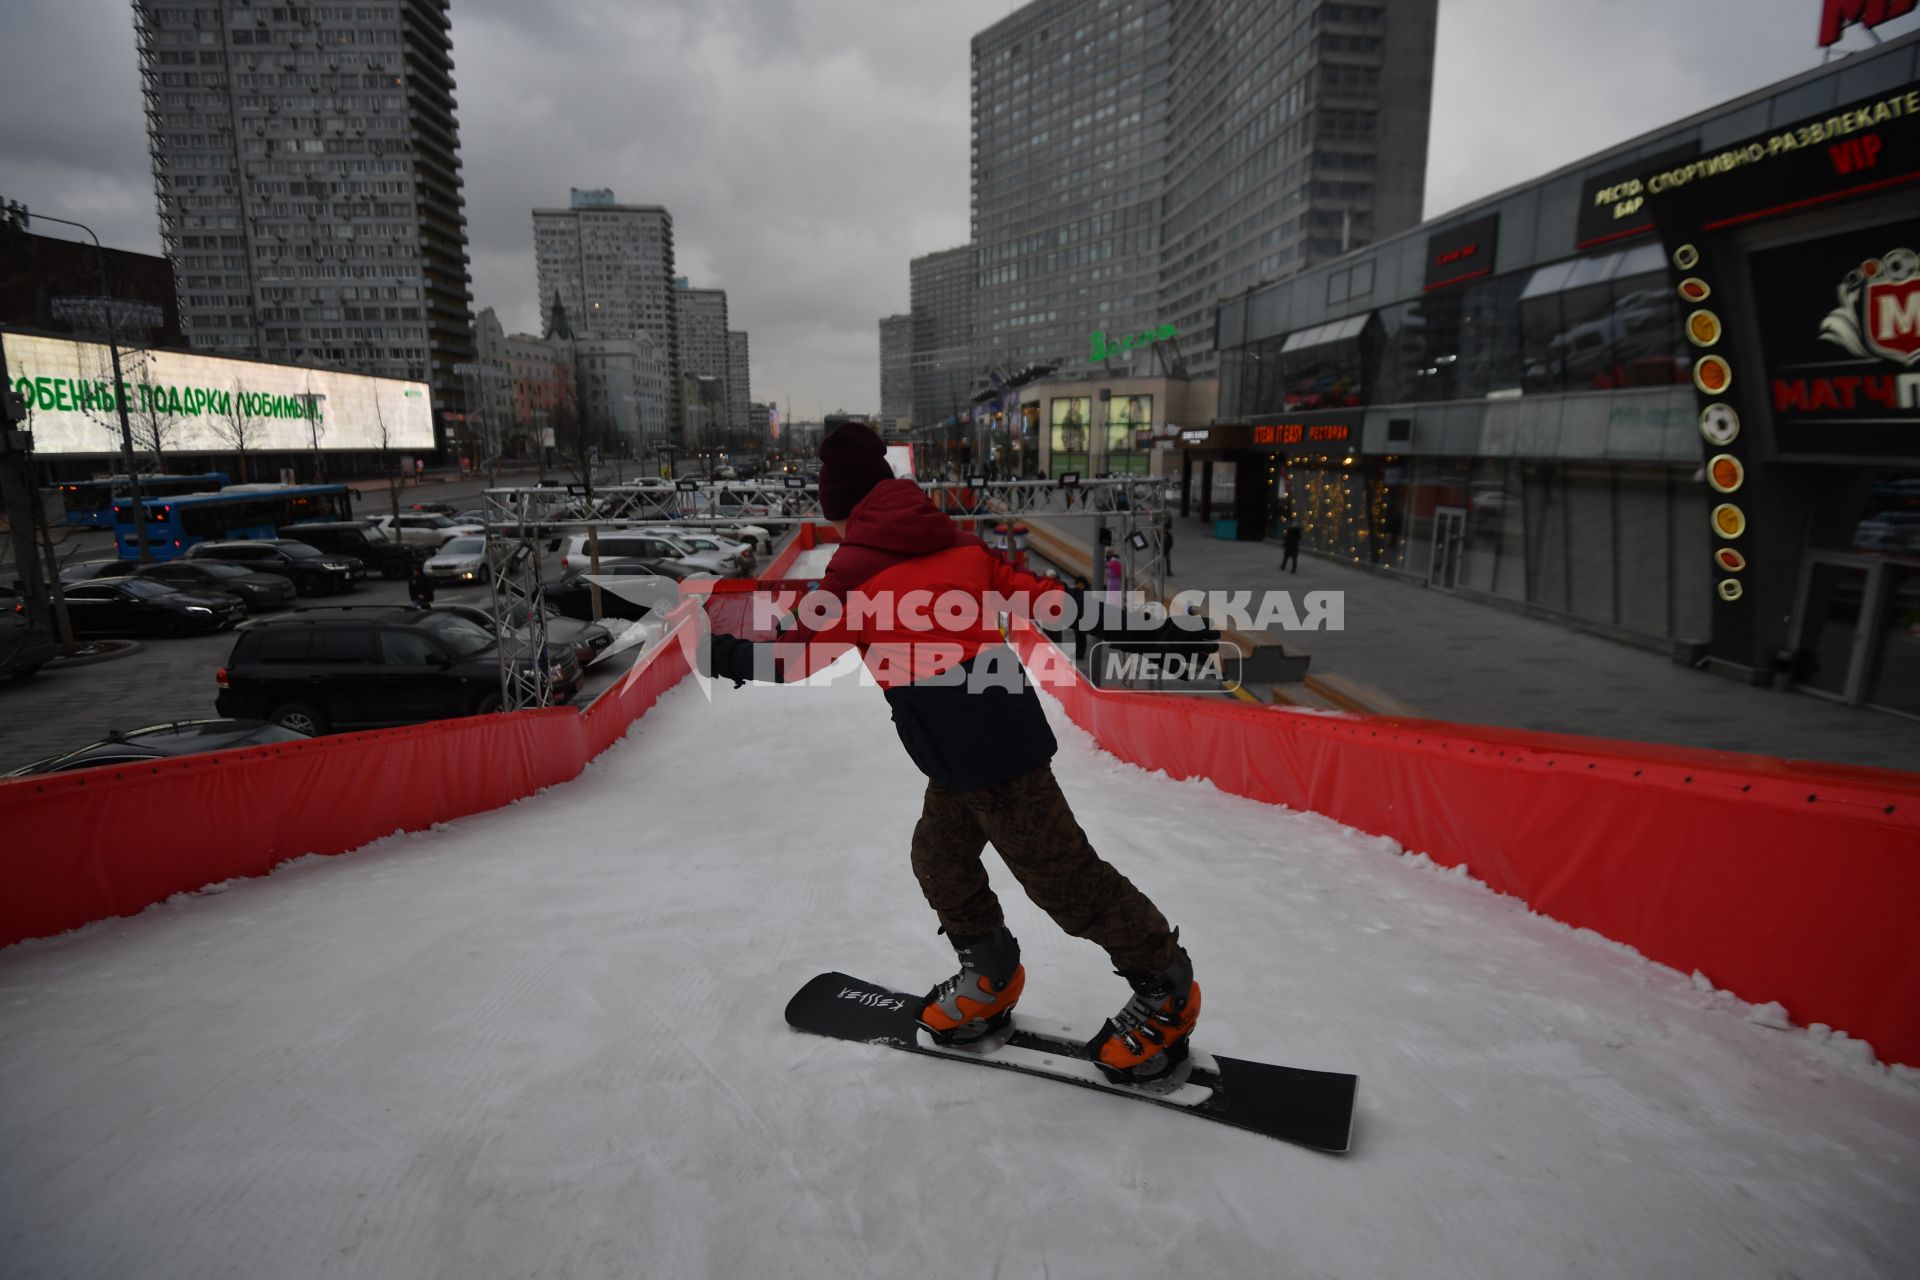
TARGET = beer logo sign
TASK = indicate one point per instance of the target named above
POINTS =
(1878, 310)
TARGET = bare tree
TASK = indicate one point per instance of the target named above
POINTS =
(388, 462)
(151, 417)
(238, 426)
(99, 396)
(316, 426)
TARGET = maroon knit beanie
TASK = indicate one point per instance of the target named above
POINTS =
(852, 460)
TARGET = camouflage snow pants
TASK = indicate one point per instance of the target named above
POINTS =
(1033, 828)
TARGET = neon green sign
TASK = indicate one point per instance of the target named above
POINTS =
(1100, 349)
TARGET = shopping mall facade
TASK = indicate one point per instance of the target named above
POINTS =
(1671, 392)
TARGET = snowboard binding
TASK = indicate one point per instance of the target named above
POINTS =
(976, 1032)
(1169, 1067)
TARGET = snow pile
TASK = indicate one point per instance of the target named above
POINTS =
(548, 1041)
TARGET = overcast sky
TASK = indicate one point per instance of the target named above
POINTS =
(808, 148)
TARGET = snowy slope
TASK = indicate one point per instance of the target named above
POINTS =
(547, 1041)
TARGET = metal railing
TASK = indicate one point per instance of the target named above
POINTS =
(521, 519)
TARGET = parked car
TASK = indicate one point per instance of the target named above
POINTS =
(327, 669)
(701, 538)
(88, 570)
(312, 572)
(586, 639)
(461, 561)
(425, 528)
(364, 540)
(654, 588)
(644, 546)
(471, 517)
(23, 646)
(162, 741)
(759, 536)
(260, 592)
(142, 607)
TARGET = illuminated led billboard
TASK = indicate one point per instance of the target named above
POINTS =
(68, 390)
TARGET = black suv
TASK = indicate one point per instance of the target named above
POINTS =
(359, 539)
(324, 669)
(313, 572)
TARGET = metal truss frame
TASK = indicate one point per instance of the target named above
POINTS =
(520, 519)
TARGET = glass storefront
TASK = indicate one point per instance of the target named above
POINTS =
(1129, 435)
(1072, 419)
(1859, 619)
(1895, 682)
(1585, 324)
(1624, 545)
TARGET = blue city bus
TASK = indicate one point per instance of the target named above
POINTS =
(90, 502)
(243, 511)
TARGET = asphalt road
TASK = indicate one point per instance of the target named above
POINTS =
(58, 710)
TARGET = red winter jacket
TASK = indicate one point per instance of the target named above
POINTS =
(961, 704)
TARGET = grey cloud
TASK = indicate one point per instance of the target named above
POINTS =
(809, 148)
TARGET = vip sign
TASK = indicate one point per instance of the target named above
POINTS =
(73, 406)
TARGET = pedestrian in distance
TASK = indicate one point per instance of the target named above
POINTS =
(420, 588)
(1290, 547)
(1166, 548)
(986, 750)
(1116, 575)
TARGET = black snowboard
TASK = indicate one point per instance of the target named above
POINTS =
(1312, 1108)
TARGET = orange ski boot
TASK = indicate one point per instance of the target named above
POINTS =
(979, 999)
(1148, 1038)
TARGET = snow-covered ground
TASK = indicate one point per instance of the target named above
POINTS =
(812, 562)
(547, 1041)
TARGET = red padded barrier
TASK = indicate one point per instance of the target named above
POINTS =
(105, 842)
(1778, 880)
(612, 713)
(96, 843)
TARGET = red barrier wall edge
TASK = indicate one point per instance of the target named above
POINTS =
(107, 842)
(85, 846)
(1779, 881)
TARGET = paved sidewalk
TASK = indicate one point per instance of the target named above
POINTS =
(1450, 658)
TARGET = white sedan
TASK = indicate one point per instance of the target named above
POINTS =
(425, 528)
(462, 561)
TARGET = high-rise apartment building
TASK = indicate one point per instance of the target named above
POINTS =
(703, 331)
(739, 383)
(307, 164)
(943, 366)
(1136, 160)
(896, 368)
(610, 266)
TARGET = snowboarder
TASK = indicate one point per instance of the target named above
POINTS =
(986, 749)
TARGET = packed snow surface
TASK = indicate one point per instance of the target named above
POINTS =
(547, 1041)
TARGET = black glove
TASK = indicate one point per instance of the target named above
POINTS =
(716, 658)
